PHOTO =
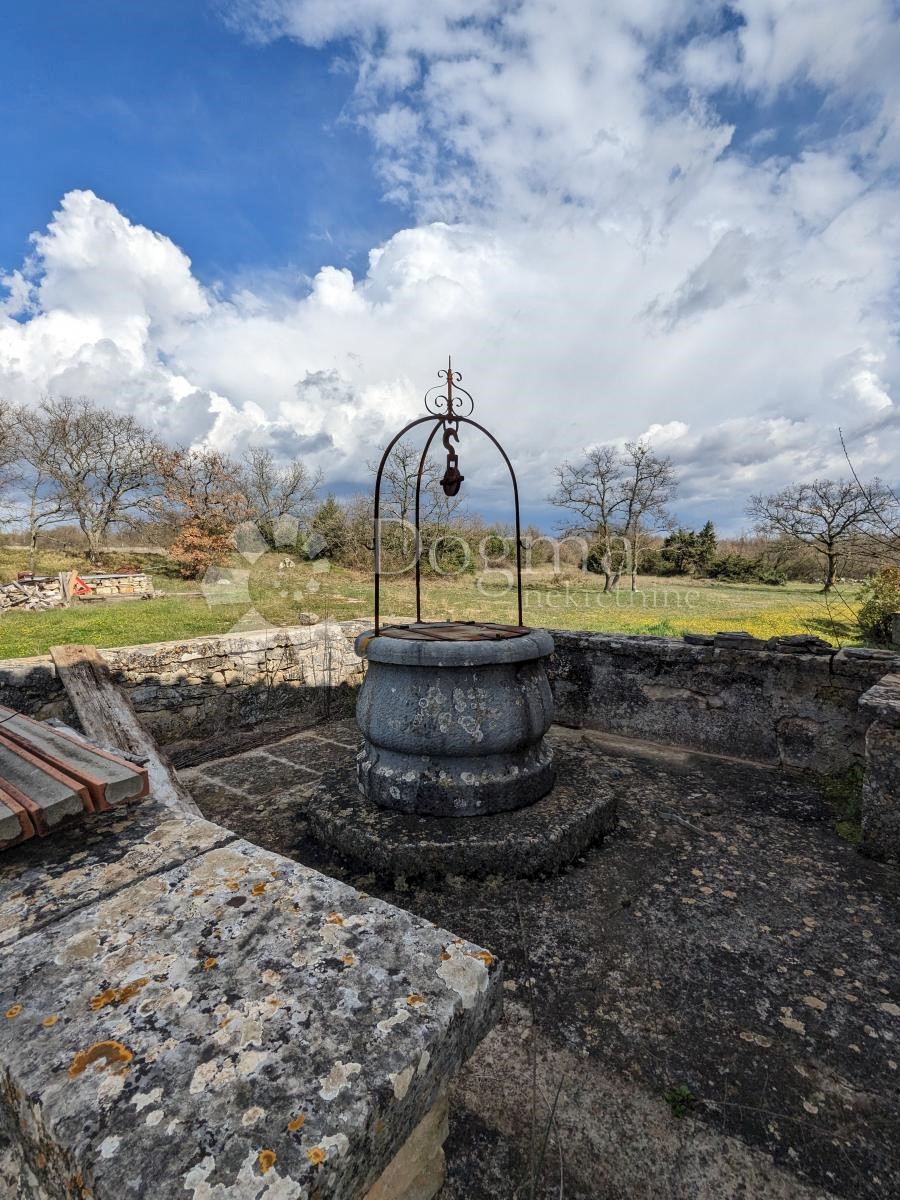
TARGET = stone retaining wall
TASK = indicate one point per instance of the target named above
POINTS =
(201, 686)
(777, 705)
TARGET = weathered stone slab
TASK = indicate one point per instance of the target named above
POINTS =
(43, 881)
(10, 827)
(237, 1026)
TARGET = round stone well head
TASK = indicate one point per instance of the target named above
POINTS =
(453, 717)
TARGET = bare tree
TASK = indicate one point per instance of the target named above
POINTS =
(617, 495)
(38, 502)
(277, 490)
(883, 537)
(827, 515)
(648, 485)
(10, 466)
(102, 465)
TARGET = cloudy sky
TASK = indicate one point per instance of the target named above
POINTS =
(271, 220)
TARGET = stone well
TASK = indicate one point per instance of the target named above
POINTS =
(453, 718)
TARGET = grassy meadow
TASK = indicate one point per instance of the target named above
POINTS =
(259, 593)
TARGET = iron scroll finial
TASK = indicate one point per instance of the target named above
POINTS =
(449, 399)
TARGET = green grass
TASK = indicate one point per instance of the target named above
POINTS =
(667, 607)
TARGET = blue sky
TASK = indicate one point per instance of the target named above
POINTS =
(673, 221)
(238, 151)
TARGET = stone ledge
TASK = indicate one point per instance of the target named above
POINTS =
(234, 1023)
(540, 839)
(883, 700)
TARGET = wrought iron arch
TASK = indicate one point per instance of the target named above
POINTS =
(445, 410)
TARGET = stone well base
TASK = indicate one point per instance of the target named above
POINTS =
(540, 839)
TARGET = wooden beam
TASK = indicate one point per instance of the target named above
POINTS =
(106, 715)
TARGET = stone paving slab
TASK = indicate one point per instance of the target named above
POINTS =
(723, 940)
(236, 1026)
(255, 773)
(119, 780)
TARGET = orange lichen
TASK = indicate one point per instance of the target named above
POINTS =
(316, 1156)
(348, 960)
(104, 1054)
(266, 1160)
(119, 995)
(415, 999)
(297, 1123)
(49, 1022)
(13, 1011)
(334, 918)
(485, 956)
(258, 889)
(232, 885)
(444, 956)
(209, 963)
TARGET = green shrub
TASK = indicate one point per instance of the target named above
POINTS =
(879, 598)
(738, 568)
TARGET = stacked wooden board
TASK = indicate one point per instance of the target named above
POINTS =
(48, 776)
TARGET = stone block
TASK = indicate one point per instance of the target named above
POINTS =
(236, 1025)
(418, 1169)
(881, 792)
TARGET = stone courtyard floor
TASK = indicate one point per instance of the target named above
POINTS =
(706, 1005)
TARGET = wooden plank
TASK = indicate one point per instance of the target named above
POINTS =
(107, 716)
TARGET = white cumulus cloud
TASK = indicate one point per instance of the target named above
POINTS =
(582, 237)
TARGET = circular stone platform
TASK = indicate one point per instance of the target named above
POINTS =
(453, 718)
(540, 839)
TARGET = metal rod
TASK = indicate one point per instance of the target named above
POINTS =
(431, 438)
(512, 475)
(377, 540)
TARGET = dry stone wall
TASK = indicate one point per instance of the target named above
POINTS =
(793, 703)
(201, 686)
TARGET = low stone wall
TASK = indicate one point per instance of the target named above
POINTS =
(133, 584)
(202, 686)
(774, 704)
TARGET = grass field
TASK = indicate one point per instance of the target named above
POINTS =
(572, 601)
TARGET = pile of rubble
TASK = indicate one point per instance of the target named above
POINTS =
(31, 593)
(34, 592)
